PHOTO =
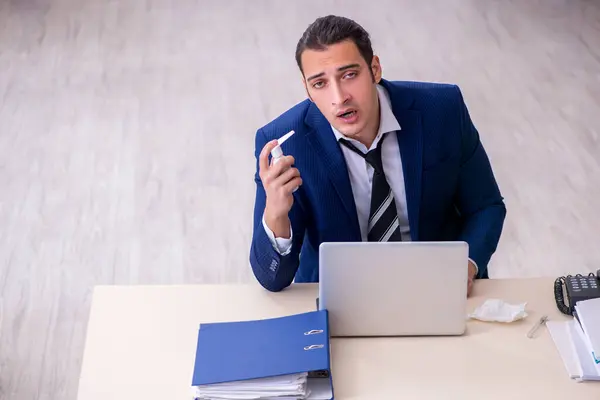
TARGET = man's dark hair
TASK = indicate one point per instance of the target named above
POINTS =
(333, 29)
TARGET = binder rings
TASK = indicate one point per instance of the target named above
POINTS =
(265, 358)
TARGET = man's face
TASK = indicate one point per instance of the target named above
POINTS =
(340, 83)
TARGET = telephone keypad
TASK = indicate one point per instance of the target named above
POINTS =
(582, 283)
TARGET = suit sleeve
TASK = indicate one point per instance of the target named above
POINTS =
(273, 270)
(478, 199)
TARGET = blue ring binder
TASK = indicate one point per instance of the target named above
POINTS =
(273, 349)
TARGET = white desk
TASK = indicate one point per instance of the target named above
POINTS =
(141, 343)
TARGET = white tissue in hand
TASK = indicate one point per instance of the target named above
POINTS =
(495, 310)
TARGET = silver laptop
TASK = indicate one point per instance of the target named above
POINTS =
(394, 288)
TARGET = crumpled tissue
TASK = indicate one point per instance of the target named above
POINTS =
(496, 310)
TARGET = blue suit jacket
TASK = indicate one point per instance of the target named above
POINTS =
(451, 191)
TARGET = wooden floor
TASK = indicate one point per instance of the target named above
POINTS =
(127, 132)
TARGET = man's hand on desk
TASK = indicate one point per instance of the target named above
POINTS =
(472, 273)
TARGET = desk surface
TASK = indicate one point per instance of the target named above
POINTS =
(141, 342)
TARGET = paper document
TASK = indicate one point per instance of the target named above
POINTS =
(588, 314)
(295, 386)
(562, 339)
(571, 345)
(280, 387)
(584, 353)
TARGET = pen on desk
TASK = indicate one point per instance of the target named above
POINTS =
(537, 325)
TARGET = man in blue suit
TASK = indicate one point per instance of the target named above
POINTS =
(370, 159)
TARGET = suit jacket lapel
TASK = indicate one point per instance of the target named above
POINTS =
(410, 141)
(324, 143)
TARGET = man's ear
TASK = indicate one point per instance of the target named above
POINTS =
(376, 69)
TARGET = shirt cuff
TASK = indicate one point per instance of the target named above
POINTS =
(281, 245)
(476, 266)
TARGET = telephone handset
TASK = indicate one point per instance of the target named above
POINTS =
(579, 287)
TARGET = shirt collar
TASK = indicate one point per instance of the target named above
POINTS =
(387, 121)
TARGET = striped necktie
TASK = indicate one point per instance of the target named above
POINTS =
(383, 216)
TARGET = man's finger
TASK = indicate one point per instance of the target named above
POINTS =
(285, 177)
(263, 160)
(292, 185)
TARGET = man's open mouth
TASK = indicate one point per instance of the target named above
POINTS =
(347, 114)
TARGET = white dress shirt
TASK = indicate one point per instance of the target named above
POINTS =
(361, 175)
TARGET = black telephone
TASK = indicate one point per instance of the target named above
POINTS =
(579, 287)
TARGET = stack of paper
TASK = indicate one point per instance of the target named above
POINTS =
(578, 341)
(588, 314)
(292, 386)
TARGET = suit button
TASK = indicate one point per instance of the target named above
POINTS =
(274, 264)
